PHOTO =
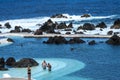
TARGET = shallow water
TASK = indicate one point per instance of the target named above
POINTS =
(101, 60)
(60, 68)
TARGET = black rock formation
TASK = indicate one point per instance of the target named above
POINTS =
(114, 40)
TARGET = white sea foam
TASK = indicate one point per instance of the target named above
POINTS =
(31, 22)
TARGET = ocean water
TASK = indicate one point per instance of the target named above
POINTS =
(16, 9)
(97, 62)
(101, 61)
(28, 13)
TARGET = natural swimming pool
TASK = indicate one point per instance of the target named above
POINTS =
(100, 61)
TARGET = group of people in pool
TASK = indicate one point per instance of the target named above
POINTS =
(46, 65)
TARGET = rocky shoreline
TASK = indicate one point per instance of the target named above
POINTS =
(52, 26)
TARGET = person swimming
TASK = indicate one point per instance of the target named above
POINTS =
(44, 64)
(49, 67)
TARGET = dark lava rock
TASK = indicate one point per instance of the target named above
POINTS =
(58, 16)
(79, 33)
(92, 42)
(101, 25)
(38, 32)
(80, 27)
(10, 40)
(62, 26)
(48, 27)
(17, 29)
(114, 40)
(62, 40)
(68, 33)
(70, 25)
(1, 26)
(25, 62)
(68, 29)
(7, 25)
(26, 30)
(76, 40)
(85, 15)
(116, 33)
(109, 32)
(56, 40)
(116, 24)
(88, 26)
(10, 61)
(57, 33)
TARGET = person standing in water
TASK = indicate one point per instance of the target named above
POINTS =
(49, 67)
(44, 64)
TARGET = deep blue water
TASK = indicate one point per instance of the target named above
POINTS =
(102, 60)
(16, 9)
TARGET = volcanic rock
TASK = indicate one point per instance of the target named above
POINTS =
(56, 40)
(10, 40)
(48, 27)
(85, 15)
(116, 24)
(109, 32)
(25, 62)
(7, 25)
(38, 32)
(26, 30)
(10, 61)
(58, 16)
(76, 40)
(101, 25)
(114, 40)
(62, 26)
(92, 42)
(88, 26)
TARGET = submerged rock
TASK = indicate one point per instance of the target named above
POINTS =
(92, 42)
(76, 40)
(114, 40)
